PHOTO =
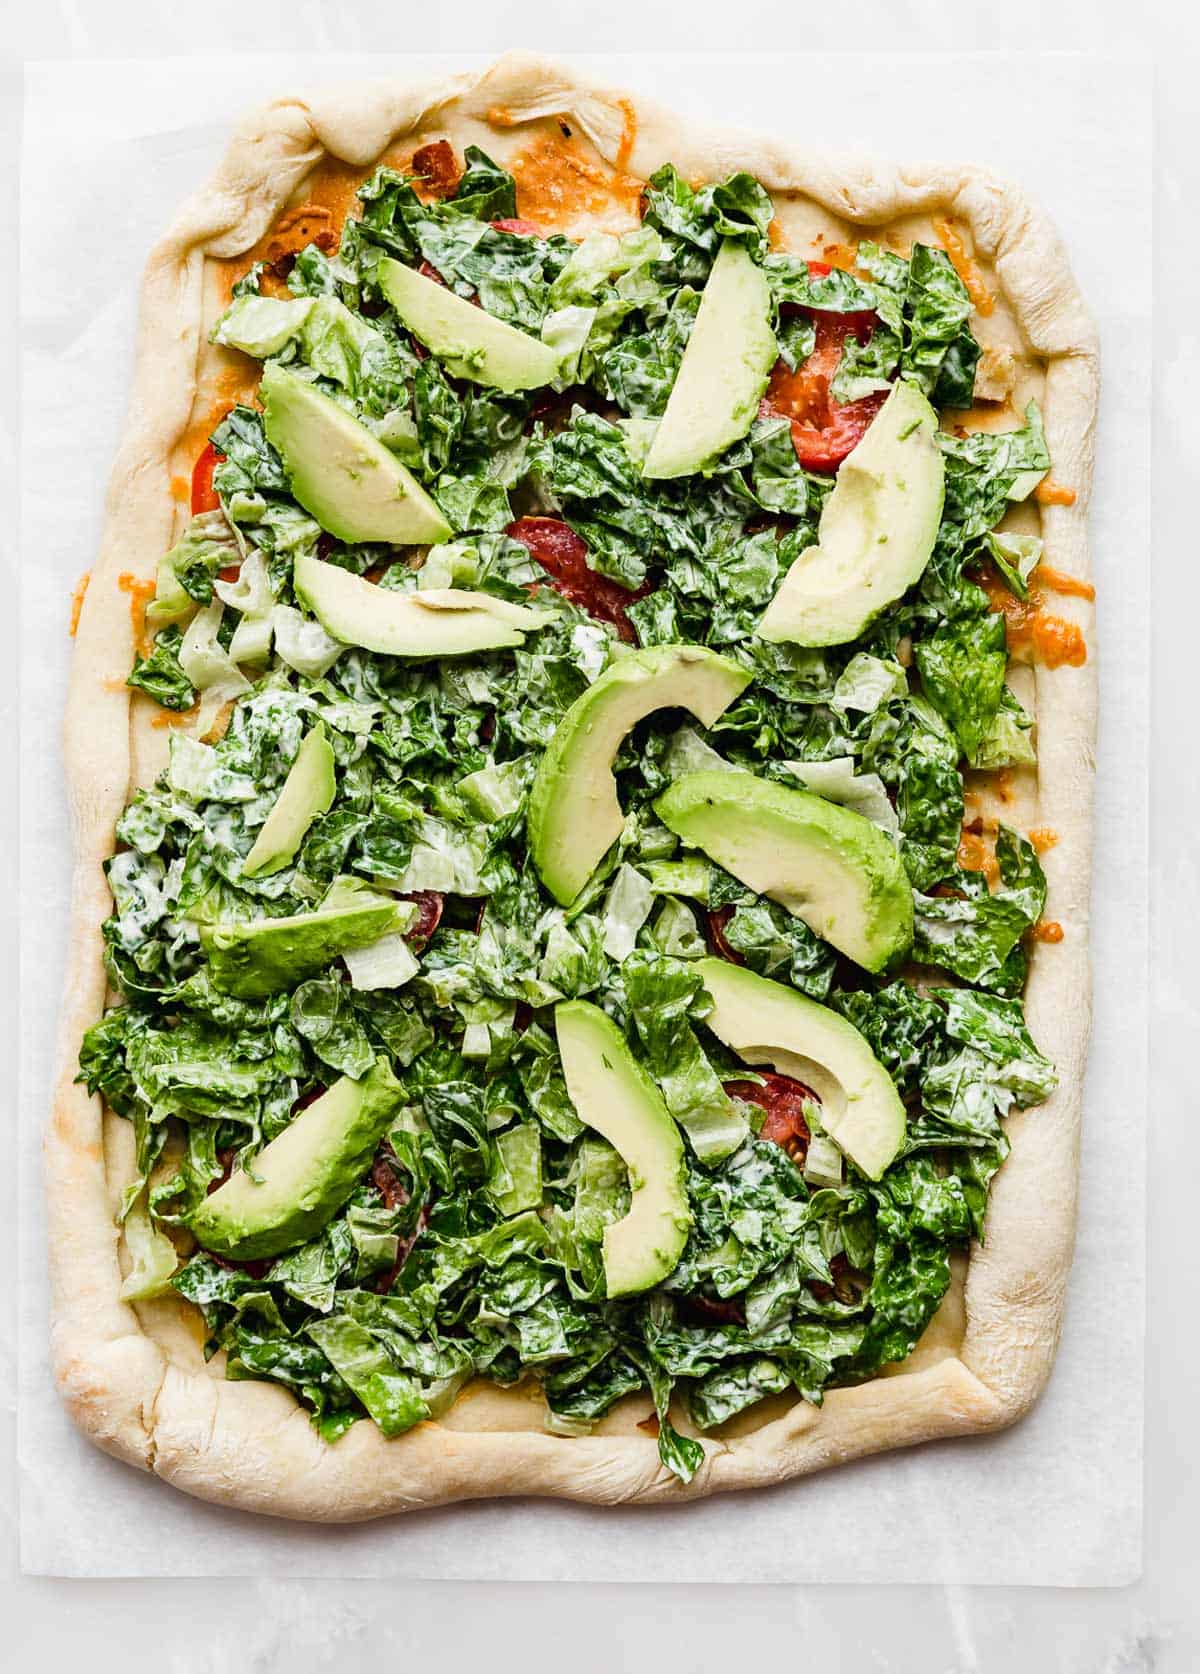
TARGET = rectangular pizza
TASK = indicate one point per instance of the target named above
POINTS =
(580, 751)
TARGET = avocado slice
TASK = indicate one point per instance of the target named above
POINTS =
(766, 1023)
(303, 1177)
(876, 532)
(724, 369)
(339, 472)
(473, 343)
(834, 869)
(612, 1093)
(440, 622)
(307, 791)
(574, 814)
(256, 957)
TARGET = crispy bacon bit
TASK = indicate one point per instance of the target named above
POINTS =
(711, 1310)
(429, 914)
(716, 934)
(309, 223)
(783, 1099)
(649, 1425)
(824, 431)
(438, 167)
(385, 1179)
(385, 1281)
(563, 556)
(842, 1289)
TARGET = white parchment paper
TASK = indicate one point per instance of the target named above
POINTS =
(110, 150)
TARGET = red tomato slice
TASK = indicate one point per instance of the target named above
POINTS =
(204, 496)
(517, 224)
(429, 914)
(563, 556)
(783, 1099)
(824, 431)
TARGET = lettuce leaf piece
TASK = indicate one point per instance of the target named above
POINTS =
(1008, 741)
(940, 353)
(160, 675)
(962, 670)
(663, 995)
(986, 470)
(734, 208)
(976, 934)
(391, 1396)
(322, 1014)
(153, 1255)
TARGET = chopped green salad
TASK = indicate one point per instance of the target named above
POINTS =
(554, 962)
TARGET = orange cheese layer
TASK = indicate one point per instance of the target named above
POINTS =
(964, 265)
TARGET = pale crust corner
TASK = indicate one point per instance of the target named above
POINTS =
(132, 1379)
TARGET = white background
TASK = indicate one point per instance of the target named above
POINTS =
(1150, 1626)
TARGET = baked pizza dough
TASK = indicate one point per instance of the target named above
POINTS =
(133, 1376)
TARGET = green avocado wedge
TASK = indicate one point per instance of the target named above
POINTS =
(256, 957)
(440, 622)
(574, 814)
(472, 343)
(613, 1094)
(307, 791)
(302, 1178)
(341, 474)
(724, 370)
(767, 1023)
(832, 868)
(876, 533)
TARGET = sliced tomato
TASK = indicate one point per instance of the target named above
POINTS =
(716, 934)
(517, 224)
(563, 556)
(824, 431)
(783, 1099)
(429, 914)
(204, 496)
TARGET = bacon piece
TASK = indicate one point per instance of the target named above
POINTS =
(716, 934)
(783, 1099)
(308, 223)
(438, 167)
(385, 1179)
(385, 1281)
(563, 556)
(429, 903)
(711, 1310)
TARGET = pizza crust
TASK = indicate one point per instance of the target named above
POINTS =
(133, 1378)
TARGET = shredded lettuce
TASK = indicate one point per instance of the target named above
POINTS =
(473, 1244)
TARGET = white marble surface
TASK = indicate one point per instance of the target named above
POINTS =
(1152, 1625)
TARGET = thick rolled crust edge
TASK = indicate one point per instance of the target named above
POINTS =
(250, 1445)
